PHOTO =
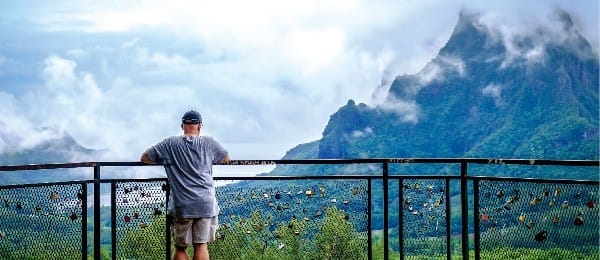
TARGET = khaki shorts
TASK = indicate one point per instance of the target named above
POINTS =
(188, 231)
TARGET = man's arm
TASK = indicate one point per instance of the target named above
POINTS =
(225, 160)
(146, 159)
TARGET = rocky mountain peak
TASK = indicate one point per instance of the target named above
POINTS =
(520, 92)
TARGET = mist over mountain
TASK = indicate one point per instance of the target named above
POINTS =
(490, 93)
(45, 145)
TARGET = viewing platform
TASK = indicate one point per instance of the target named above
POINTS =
(383, 208)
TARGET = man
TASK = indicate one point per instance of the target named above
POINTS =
(188, 161)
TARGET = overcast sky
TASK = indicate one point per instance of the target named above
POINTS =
(266, 75)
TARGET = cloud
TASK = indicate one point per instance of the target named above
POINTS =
(406, 106)
(362, 133)
(430, 73)
(527, 38)
(14, 128)
(437, 70)
(18, 134)
(265, 74)
(58, 72)
(407, 110)
(494, 91)
(454, 64)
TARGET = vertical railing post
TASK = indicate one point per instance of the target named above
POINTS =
(476, 230)
(448, 221)
(369, 218)
(113, 219)
(167, 223)
(464, 210)
(401, 218)
(97, 221)
(84, 214)
(386, 245)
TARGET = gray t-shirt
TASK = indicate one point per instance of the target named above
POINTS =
(188, 163)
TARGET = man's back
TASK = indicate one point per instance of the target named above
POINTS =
(188, 163)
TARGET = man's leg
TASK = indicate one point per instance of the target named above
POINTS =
(180, 253)
(182, 237)
(201, 252)
(204, 232)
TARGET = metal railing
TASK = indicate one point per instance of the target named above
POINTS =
(444, 207)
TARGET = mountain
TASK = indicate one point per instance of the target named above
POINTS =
(487, 94)
(530, 95)
(44, 146)
(55, 147)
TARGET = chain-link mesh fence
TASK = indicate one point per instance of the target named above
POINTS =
(42, 221)
(295, 219)
(140, 213)
(311, 218)
(538, 215)
(424, 208)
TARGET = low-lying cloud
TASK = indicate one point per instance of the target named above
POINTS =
(494, 91)
(362, 133)
(407, 110)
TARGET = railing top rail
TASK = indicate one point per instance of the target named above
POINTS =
(422, 160)
(30, 167)
(323, 161)
(533, 180)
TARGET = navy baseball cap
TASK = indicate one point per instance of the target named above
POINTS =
(191, 117)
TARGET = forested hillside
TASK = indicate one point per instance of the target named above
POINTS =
(534, 95)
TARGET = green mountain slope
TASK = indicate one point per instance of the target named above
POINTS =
(57, 147)
(536, 97)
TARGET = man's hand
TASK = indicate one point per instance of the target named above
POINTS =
(146, 159)
(225, 160)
